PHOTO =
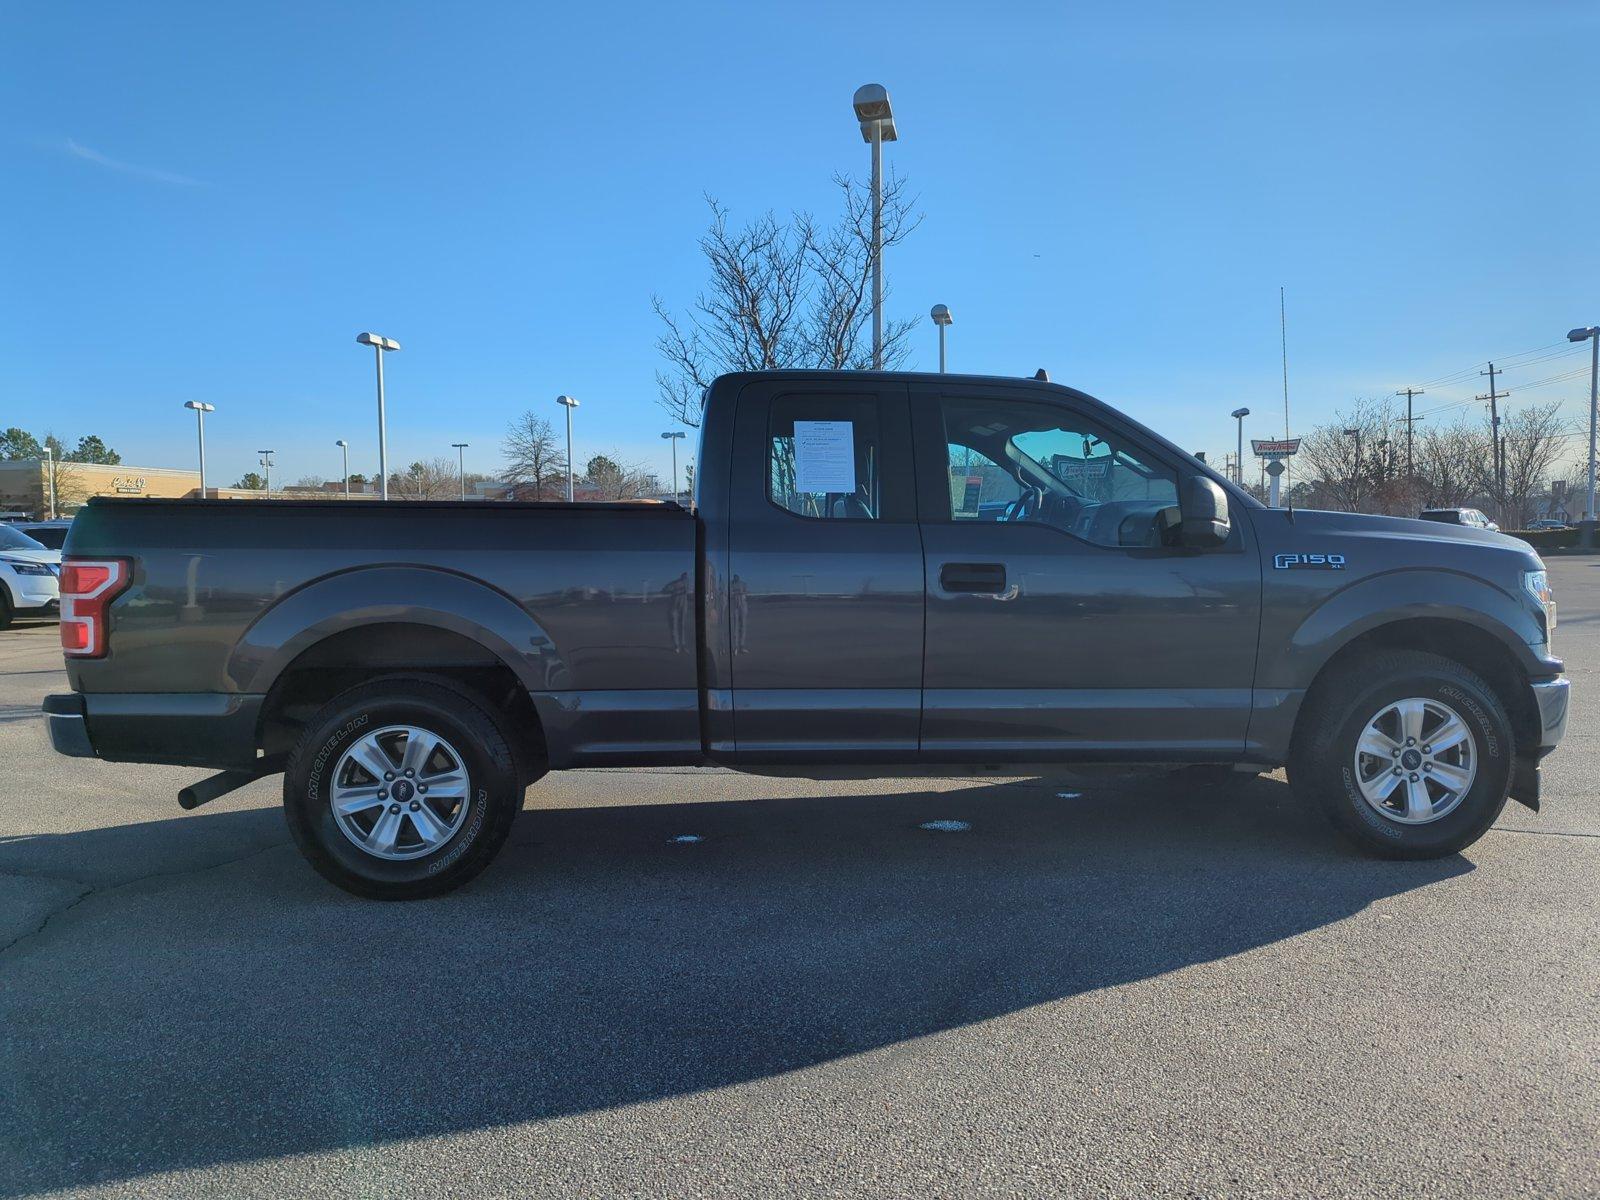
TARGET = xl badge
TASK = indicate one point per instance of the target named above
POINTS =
(1308, 562)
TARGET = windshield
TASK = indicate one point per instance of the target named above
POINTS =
(14, 539)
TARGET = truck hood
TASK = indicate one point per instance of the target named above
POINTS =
(1338, 528)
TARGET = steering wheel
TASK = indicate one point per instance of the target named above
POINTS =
(1026, 506)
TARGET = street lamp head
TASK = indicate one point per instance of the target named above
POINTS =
(378, 340)
(1583, 335)
(341, 442)
(941, 314)
(566, 402)
(459, 445)
(199, 406)
(1352, 433)
(675, 434)
(1239, 412)
(872, 104)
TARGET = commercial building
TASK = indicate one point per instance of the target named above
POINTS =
(25, 484)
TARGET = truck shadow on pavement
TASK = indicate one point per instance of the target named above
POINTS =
(249, 1010)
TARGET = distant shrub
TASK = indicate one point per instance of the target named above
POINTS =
(1547, 539)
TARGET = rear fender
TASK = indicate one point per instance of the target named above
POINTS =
(404, 594)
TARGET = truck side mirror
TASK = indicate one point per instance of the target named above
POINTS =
(1205, 512)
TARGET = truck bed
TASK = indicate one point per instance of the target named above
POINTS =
(586, 600)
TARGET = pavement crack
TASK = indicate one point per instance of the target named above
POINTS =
(61, 911)
(1573, 833)
(38, 929)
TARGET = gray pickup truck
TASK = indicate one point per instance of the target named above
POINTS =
(882, 574)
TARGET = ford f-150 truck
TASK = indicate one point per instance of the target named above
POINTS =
(882, 574)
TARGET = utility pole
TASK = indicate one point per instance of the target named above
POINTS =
(1494, 438)
(1410, 421)
(1355, 490)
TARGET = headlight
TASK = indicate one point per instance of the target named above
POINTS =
(1537, 585)
(23, 567)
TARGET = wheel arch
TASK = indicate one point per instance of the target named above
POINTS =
(1461, 641)
(345, 629)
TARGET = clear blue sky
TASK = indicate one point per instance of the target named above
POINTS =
(210, 200)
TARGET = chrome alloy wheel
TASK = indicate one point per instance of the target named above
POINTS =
(400, 792)
(1415, 761)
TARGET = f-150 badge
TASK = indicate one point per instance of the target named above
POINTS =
(1308, 562)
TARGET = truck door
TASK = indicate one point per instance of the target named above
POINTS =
(824, 591)
(1062, 622)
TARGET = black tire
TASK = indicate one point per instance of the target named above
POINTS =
(492, 803)
(7, 613)
(1322, 764)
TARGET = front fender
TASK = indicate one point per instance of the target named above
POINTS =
(1293, 661)
(395, 594)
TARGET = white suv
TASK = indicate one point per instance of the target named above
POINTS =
(29, 586)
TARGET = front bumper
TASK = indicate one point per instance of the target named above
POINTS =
(1550, 696)
(32, 596)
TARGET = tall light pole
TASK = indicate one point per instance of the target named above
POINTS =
(461, 465)
(568, 403)
(50, 472)
(380, 345)
(266, 461)
(1355, 490)
(1239, 414)
(1591, 335)
(675, 436)
(876, 116)
(200, 411)
(345, 446)
(942, 318)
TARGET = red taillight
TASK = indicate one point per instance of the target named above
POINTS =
(87, 589)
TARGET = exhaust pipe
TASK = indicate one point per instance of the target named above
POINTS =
(207, 790)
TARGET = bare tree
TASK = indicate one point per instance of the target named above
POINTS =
(1349, 462)
(534, 456)
(435, 479)
(783, 294)
(1453, 464)
(617, 480)
(1534, 439)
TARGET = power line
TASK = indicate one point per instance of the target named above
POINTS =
(1507, 362)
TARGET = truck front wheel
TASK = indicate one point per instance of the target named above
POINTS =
(401, 789)
(1408, 753)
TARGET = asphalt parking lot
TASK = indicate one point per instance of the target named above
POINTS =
(1153, 985)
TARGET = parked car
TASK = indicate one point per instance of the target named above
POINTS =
(1459, 516)
(50, 534)
(28, 583)
(884, 574)
(1548, 523)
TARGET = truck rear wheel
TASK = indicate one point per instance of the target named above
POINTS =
(401, 789)
(1409, 754)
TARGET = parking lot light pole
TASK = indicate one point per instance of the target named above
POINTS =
(942, 318)
(675, 436)
(200, 411)
(345, 446)
(50, 475)
(1239, 414)
(380, 345)
(461, 465)
(1592, 336)
(568, 403)
(266, 462)
(876, 117)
